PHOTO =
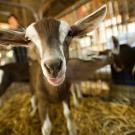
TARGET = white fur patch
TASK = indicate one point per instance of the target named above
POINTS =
(47, 126)
(66, 110)
(32, 34)
(64, 59)
(75, 98)
(33, 105)
(43, 69)
(116, 51)
(78, 90)
(63, 30)
(70, 125)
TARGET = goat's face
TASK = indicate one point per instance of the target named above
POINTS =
(116, 55)
(50, 40)
(123, 56)
(125, 59)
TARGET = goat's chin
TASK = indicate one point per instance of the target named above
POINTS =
(56, 81)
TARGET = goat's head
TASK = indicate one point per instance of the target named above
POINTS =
(123, 56)
(117, 64)
(50, 40)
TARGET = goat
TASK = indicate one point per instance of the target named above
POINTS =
(48, 43)
(74, 74)
(13, 72)
(75, 66)
(123, 56)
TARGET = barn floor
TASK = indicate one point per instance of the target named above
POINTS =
(92, 117)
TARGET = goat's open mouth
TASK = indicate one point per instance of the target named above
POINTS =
(56, 81)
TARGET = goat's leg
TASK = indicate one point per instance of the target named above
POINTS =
(47, 126)
(5, 83)
(33, 105)
(78, 91)
(33, 100)
(44, 117)
(75, 98)
(70, 125)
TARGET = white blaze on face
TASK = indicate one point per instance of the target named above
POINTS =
(64, 60)
(32, 34)
(63, 31)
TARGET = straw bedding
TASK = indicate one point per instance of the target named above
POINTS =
(92, 117)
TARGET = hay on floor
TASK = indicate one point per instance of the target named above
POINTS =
(92, 117)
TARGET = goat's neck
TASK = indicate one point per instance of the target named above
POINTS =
(46, 90)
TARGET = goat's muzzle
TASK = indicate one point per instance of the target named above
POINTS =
(55, 72)
(53, 67)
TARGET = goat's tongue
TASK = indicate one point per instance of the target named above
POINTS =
(56, 81)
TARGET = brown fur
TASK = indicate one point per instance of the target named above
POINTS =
(48, 30)
(49, 36)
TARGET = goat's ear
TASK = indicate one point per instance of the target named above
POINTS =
(12, 38)
(116, 45)
(89, 23)
(115, 41)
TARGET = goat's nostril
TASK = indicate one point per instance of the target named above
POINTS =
(53, 66)
(47, 67)
(59, 64)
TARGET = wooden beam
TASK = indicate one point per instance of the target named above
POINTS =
(72, 8)
(43, 7)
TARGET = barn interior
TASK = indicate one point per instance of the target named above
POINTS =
(107, 103)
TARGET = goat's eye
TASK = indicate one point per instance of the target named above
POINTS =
(70, 33)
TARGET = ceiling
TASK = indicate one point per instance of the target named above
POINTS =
(50, 8)
(47, 7)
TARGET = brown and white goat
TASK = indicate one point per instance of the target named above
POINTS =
(74, 74)
(123, 56)
(48, 43)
